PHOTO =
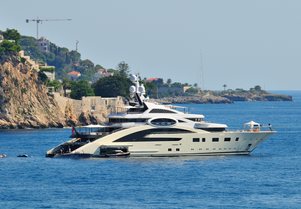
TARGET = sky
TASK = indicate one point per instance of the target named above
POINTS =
(240, 43)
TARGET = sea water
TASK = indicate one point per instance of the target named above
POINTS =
(268, 178)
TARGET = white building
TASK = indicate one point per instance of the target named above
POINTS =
(49, 71)
(43, 44)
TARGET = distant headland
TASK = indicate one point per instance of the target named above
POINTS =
(227, 96)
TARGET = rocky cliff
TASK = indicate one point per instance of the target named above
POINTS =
(24, 102)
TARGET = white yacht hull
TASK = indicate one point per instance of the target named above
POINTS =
(198, 142)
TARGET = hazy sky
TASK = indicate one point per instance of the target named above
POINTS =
(241, 43)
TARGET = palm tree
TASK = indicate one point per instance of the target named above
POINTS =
(169, 82)
(66, 85)
(225, 86)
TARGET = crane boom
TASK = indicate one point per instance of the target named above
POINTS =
(38, 21)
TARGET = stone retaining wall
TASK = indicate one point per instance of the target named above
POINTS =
(95, 106)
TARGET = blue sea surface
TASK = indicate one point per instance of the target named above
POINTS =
(268, 178)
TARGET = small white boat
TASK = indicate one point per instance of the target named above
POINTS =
(2, 155)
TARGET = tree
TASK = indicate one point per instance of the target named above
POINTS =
(29, 45)
(225, 86)
(150, 88)
(9, 46)
(176, 84)
(74, 56)
(168, 82)
(12, 34)
(111, 70)
(98, 67)
(112, 86)
(192, 91)
(123, 69)
(80, 89)
(87, 64)
(55, 84)
(66, 85)
(257, 88)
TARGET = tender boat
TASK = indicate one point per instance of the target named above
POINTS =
(2, 155)
(149, 129)
(23, 155)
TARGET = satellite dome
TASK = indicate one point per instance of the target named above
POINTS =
(133, 78)
(132, 89)
(141, 89)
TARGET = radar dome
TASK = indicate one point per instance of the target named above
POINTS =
(132, 89)
(141, 89)
(133, 78)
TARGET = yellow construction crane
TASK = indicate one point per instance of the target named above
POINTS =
(38, 21)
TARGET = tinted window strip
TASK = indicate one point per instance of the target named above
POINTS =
(141, 134)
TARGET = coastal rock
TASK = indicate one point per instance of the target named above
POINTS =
(278, 97)
(25, 103)
(258, 97)
(194, 99)
(86, 119)
(24, 99)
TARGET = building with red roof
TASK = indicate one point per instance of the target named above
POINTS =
(73, 75)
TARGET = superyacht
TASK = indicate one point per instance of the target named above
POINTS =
(148, 129)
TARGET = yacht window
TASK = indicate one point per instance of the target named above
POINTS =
(215, 139)
(227, 139)
(196, 139)
(169, 131)
(161, 111)
(143, 135)
(169, 149)
(137, 110)
(177, 149)
(126, 120)
(237, 138)
(195, 119)
(213, 129)
(203, 139)
(163, 122)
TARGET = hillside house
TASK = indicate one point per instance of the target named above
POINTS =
(49, 71)
(74, 75)
(101, 73)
